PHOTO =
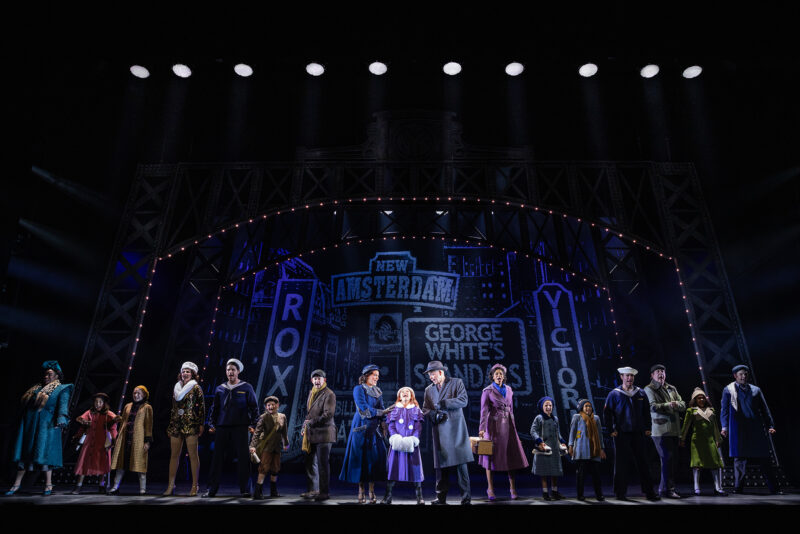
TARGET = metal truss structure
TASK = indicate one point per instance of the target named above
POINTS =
(596, 218)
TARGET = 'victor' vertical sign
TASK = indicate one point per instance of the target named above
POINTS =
(565, 371)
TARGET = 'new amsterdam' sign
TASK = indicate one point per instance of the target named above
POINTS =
(393, 278)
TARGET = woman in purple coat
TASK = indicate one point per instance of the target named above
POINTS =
(404, 463)
(497, 424)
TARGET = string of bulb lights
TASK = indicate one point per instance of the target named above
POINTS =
(451, 68)
(364, 241)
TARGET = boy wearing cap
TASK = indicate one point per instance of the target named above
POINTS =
(666, 408)
(234, 413)
(269, 439)
(627, 415)
(744, 415)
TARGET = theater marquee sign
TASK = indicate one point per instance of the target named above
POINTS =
(393, 278)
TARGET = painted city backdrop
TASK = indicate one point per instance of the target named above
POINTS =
(399, 304)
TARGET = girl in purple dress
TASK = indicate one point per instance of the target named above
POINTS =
(404, 462)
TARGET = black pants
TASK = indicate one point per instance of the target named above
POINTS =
(227, 438)
(630, 447)
(770, 474)
(667, 447)
(318, 474)
(594, 469)
(443, 481)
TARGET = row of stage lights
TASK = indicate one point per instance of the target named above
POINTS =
(451, 68)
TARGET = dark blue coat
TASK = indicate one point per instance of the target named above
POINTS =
(627, 414)
(235, 406)
(365, 446)
(746, 424)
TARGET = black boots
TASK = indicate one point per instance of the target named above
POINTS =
(273, 489)
(418, 487)
(387, 499)
(257, 494)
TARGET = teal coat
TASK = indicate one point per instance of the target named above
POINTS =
(38, 443)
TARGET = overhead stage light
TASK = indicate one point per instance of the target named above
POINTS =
(514, 69)
(648, 71)
(588, 70)
(452, 68)
(377, 68)
(315, 69)
(692, 72)
(243, 70)
(139, 71)
(181, 70)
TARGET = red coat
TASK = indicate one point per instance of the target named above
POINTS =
(94, 458)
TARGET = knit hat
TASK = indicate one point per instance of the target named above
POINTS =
(144, 390)
(540, 404)
(581, 402)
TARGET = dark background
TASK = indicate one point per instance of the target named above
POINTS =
(72, 108)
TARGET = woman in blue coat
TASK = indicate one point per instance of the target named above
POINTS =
(365, 456)
(45, 413)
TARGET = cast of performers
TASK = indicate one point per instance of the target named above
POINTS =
(99, 426)
(44, 415)
(549, 448)
(133, 441)
(232, 418)
(270, 438)
(365, 456)
(185, 424)
(404, 462)
(319, 435)
(445, 400)
(586, 447)
(701, 422)
(497, 424)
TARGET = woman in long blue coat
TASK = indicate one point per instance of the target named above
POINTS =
(365, 456)
(45, 413)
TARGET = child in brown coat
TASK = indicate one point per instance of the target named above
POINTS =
(269, 439)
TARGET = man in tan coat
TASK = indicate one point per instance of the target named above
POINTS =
(319, 435)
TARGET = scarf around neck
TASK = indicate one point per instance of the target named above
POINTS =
(179, 392)
(593, 433)
(373, 391)
(500, 389)
(306, 446)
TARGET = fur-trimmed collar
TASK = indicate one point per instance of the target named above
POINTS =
(179, 392)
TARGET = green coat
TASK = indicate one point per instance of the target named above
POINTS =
(705, 436)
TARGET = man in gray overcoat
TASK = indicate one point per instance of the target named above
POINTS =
(444, 400)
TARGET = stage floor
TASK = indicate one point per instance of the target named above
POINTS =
(290, 487)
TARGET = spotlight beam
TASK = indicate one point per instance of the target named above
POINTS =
(77, 192)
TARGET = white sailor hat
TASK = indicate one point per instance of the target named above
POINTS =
(627, 371)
